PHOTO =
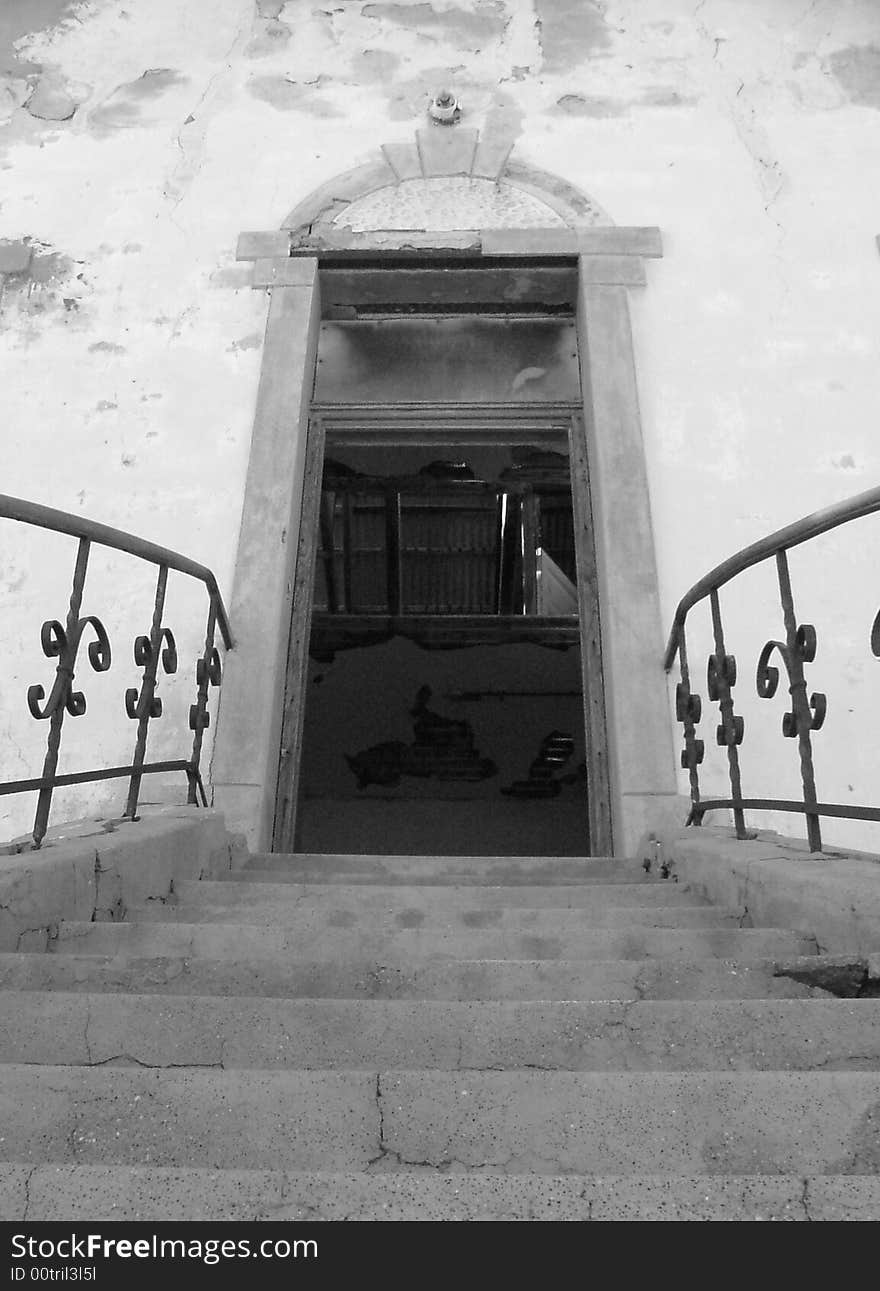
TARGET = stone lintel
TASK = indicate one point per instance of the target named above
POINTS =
(287, 271)
(261, 246)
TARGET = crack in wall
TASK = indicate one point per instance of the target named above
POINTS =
(27, 1191)
(191, 156)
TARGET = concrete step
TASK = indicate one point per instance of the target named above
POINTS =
(479, 870)
(232, 1033)
(441, 897)
(519, 1122)
(83, 1193)
(325, 942)
(315, 915)
(466, 979)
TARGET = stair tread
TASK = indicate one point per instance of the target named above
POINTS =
(264, 940)
(328, 868)
(523, 1121)
(444, 896)
(305, 914)
(185, 1194)
(438, 979)
(240, 1032)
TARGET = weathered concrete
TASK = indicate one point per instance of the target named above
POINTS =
(387, 909)
(479, 870)
(96, 869)
(464, 979)
(836, 897)
(255, 941)
(449, 897)
(199, 1031)
(143, 1192)
(513, 1122)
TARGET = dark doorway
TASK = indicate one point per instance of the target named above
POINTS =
(444, 684)
(444, 708)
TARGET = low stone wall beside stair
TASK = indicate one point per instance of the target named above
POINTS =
(95, 870)
(777, 882)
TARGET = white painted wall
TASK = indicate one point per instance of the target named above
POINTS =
(749, 131)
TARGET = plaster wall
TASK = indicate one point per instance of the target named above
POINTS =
(139, 137)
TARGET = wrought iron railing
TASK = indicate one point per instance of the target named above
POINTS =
(156, 648)
(807, 712)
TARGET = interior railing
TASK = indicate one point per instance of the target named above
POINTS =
(807, 711)
(157, 648)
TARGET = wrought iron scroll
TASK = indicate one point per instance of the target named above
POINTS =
(209, 672)
(144, 704)
(152, 651)
(62, 643)
(806, 714)
(720, 681)
(806, 711)
(689, 710)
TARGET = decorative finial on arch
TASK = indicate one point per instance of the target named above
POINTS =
(445, 108)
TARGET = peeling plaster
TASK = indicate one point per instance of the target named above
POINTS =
(50, 101)
(485, 22)
(373, 65)
(123, 108)
(583, 105)
(287, 96)
(253, 341)
(19, 18)
(272, 38)
(570, 31)
(857, 70)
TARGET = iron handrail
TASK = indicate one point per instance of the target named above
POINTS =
(807, 712)
(154, 650)
(791, 535)
(80, 527)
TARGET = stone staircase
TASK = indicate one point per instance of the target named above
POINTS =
(434, 1038)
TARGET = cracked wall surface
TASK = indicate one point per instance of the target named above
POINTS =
(139, 137)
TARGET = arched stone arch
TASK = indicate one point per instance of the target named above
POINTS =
(451, 154)
(317, 232)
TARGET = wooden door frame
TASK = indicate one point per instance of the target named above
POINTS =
(453, 424)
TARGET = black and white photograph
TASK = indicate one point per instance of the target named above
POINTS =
(439, 630)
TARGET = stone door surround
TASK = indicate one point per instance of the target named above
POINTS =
(287, 262)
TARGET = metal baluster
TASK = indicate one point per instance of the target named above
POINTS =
(61, 690)
(689, 710)
(721, 680)
(800, 648)
(145, 705)
(208, 673)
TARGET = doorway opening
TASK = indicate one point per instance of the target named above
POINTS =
(444, 686)
(444, 702)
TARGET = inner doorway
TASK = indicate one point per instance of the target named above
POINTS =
(444, 705)
(444, 686)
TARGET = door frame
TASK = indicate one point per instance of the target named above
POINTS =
(641, 740)
(450, 424)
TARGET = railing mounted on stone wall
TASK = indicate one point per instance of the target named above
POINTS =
(806, 713)
(152, 650)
